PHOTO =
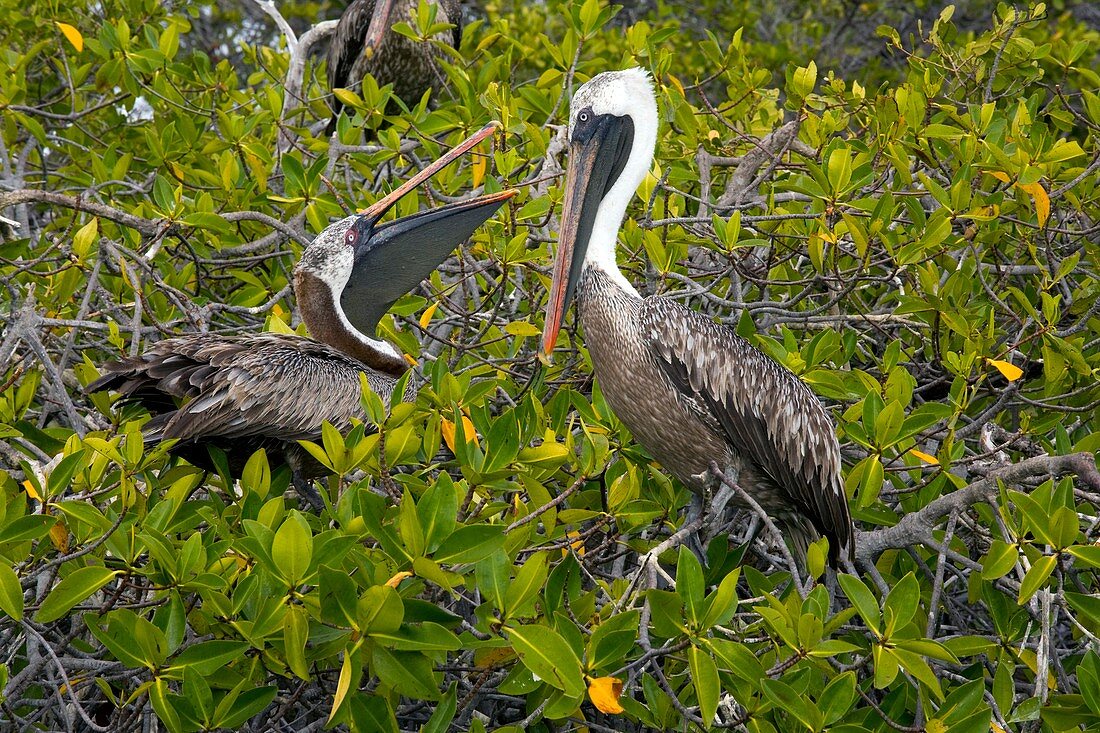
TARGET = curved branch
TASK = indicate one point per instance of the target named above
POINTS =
(917, 527)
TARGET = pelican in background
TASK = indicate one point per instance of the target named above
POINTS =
(268, 390)
(691, 391)
(363, 43)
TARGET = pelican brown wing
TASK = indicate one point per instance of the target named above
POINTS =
(762, 408)
(265, 385)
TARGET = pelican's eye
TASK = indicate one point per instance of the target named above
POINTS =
(582, 117)
(351, 236)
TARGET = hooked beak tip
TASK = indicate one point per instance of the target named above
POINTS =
(545, 357)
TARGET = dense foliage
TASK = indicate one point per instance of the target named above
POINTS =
(915, 236)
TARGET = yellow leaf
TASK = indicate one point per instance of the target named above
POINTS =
(578, 545)
(999, 175)
(31, 491)
(448, 430)
(678, 84)
(59, 536)
(348, 97)
(481, 164)
(713, 135)
(604, 693)
(396, 579)
(1010, 371)
(924, 457)
(72, 34)
(1039, 195)
(426, 316)
(84, 237)
(409, 359)
(343, 684)
(522, 328)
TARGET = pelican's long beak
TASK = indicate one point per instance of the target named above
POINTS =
(400, 253)
(379, 24)
(598, 152)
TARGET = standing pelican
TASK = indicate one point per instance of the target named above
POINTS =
(241, 393)
(691, 391)
(363, 43)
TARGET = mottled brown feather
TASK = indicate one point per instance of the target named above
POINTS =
(411, 67)
(692, 392)
(232, 390)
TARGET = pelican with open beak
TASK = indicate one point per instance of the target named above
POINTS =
(240, 393)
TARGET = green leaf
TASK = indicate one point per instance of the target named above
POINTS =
(411, 673)
(292, 548)
(543, 651)
(295, 636)
(1035, 577)
(690, 584)
(704, 675)
(380, 610)
(470, 544)
(902, 603)
(207, 657)
(78, 586)
(11, 593)
(1000, 559)
(863, 600)
(528, 582)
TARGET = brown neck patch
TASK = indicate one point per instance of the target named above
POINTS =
(319, 310)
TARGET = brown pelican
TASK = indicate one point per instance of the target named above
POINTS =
(240, 393)
(690, 390)
(363, 43)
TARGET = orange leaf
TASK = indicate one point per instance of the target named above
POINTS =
(72, 34)
(605, 692)
(1010, 371)
(31, 491)
(396, 579)
(448, 429)
(924, 456)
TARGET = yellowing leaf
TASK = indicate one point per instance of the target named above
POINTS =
(31, 491)
(1039, 195)
(82, 240)
(713, 135)
(343, 683)
(522, 328)
(481, 164)
(72, 34)
(678, 84)
(448, 430)
(426, 316)
(1010, 371)
(59, 536)
(924, 457)
(604, 693)
(577, 545)
(348, 97)
(999, 175)
(396, 579)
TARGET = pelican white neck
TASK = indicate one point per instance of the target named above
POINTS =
(623, 98)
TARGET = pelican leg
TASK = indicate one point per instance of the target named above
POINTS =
(696, 518)
(696, 514)
(307, 491)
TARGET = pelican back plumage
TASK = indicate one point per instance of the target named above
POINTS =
(411, 66)
(243, 392)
